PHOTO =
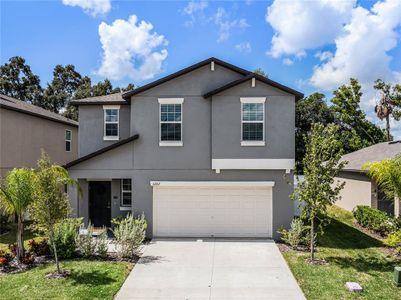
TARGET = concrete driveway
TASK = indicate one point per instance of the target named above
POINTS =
(211, 269)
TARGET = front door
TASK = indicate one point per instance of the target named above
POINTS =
(100, 203)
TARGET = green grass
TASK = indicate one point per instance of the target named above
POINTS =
(11, 236)
(88, 280)
(352, 256)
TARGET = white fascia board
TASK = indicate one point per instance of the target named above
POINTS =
(253, 164)
(171, 100)
(253, 99)
(111, 106)
(212, 183)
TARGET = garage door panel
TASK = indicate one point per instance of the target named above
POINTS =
(212, 211)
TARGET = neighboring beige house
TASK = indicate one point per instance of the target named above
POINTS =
(359, 189)
(25, 129)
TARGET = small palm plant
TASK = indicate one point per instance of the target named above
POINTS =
(16, 194)
(387, 174)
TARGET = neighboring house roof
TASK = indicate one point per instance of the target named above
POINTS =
(11, 103)
(127, 95)
(378, 152)
(101, 151)
(263, 79)
(106, 99)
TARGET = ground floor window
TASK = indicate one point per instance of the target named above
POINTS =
(126, 192)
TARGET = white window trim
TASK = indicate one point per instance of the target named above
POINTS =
(170, 101)
(122, 193)
(106, 137)
(256, 100)
(286, 164)
(70, 140)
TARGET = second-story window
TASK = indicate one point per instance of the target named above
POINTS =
(111, 122)
(171, 121)
(68, 139)
(253, 121)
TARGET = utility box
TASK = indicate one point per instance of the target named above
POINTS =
(397, 276)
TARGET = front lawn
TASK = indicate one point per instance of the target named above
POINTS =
(352, 256)
(88, 280)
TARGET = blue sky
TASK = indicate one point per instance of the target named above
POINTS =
(310, 46)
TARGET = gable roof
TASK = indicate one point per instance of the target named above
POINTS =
(11, 103)
(115, 98)
(263, 79)
(101, 151)
(378, 152)
(127, 95)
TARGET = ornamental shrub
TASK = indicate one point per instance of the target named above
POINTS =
(394, 240)
(130, 234)
(39, 248)
(65, 235)
(297, 235)
(374, 219)
(86, 242)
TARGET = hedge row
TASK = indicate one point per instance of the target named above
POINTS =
(376, 220)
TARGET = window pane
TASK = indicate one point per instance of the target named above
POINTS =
(68, 135)
(170, 132)
(170, 112)
(111, 129)
(111, 115)
(252, 131)
(126, 198)
(252, 112)
(126, 184)
(67, 146)
(163, 107)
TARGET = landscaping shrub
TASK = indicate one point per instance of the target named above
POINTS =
(27, 259)
(130, 234)
(374, 219)
(86, 243)
(394, 240)
(5, 258)
(102, 244)
(13, 249)
(39, 248)
(65, 236)
(297, 235)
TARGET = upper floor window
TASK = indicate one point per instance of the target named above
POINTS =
(111, 122)
(126, 192)
(68, 139)
(253, 121)
(171, 121)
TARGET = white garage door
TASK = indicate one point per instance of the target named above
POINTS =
(205, 209)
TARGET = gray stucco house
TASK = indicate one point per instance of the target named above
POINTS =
(206, 151)
(359, 188)
(25, 129)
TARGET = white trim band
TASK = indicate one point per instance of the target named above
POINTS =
(253, 164)
(171, 100)
(212, 183)
(253, 143)
(252, 99)
(111, 106)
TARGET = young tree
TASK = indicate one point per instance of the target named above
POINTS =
(16, 194)
(260, 72)
(321, 164)
(387, 174)
(18, 81)
(390, 103)
(51, 204)
(310, 110)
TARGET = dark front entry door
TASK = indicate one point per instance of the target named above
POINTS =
(100, 203)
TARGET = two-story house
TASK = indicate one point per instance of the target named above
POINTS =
(26, 129)
(206, 151)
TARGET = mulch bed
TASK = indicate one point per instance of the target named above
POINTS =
(316, 262)
(56, 275)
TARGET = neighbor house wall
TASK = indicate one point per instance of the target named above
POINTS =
(22, 137)
(358, 190)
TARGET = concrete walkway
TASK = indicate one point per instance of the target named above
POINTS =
(211, 269)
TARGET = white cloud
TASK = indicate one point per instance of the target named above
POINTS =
(92, 7)
(288, 61)
(194, 9)
(131, 49)
(223, 20)
(301, 25)
(244, 47)
(325, 55)
(362, 47)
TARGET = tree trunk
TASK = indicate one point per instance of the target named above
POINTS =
(20, 240)
(388, 127)
(312, 239)
(51, 235)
